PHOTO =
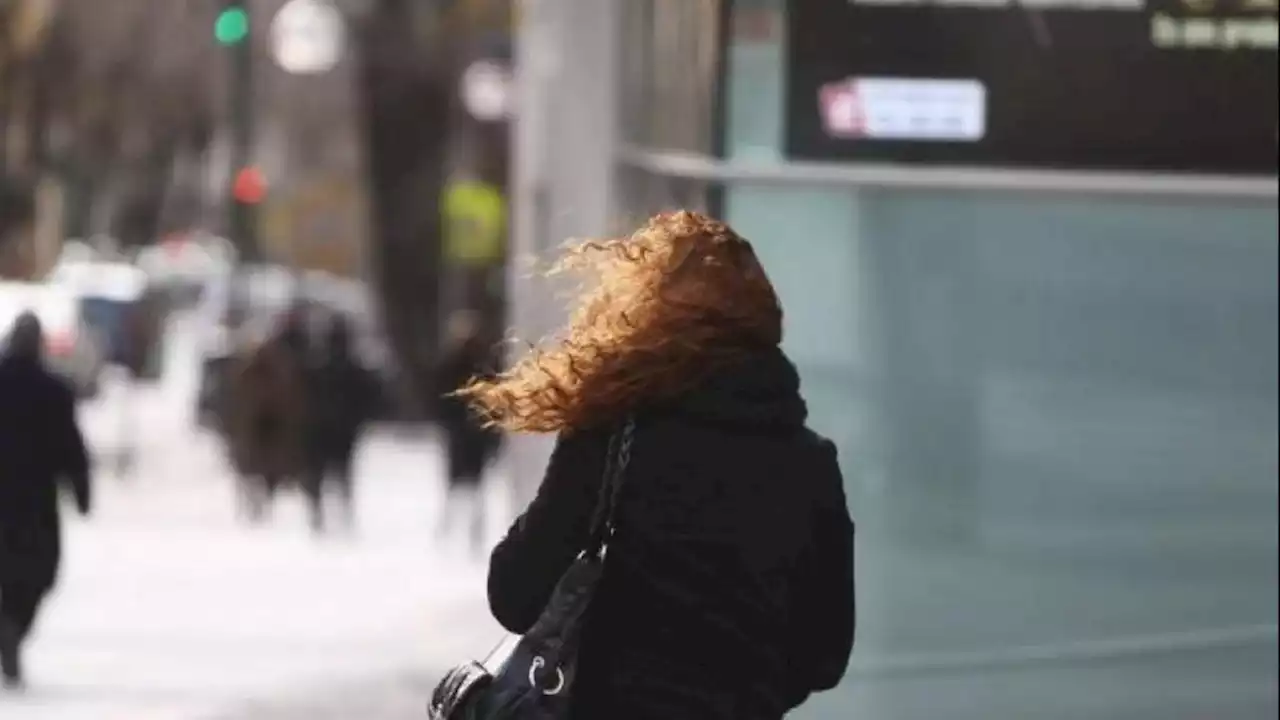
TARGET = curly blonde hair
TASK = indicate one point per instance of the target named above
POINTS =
(655, 313)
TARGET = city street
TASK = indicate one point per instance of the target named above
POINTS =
(169, 609)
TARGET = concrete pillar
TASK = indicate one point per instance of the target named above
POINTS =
(564, 141)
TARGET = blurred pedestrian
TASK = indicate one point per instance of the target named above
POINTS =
(40, 445)
(474, 213)
(341, 395)
(728, 589)
(267, 411)
(469, 445)
(144, 336)
(134, 345)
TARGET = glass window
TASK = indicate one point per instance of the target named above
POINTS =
(1058, 421)
(754, 80)
(642, 194)
(671, 61)
(1057, 416)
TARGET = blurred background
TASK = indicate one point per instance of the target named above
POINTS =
(1028, 254)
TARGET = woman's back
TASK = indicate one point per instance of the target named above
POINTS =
(728, 589)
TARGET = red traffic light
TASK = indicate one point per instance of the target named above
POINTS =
(250, 186)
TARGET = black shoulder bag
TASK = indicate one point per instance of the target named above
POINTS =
(536, 681)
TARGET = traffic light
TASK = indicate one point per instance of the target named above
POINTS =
(249, 186)
(233, 30)
(232, 25)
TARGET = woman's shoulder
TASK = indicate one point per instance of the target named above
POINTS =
(671, 422)
(823, 447)
(747, 450)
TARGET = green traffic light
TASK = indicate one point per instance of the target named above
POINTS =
(232, 26)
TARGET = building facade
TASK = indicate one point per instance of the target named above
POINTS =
(1051, 375)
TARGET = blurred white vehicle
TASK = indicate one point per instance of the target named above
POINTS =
(184, 265)
(117, 280)
(77, 251)
(71, 346)
(231, 299)
(111, 297)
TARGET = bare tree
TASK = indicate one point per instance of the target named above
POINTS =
(137, 86)
(406, 88)
(411, 55)
(109, 96)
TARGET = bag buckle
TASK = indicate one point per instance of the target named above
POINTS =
(537, 664)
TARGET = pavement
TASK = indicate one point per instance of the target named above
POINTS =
(401, 697)
(169, 609)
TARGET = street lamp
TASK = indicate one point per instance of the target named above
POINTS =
(307, 37)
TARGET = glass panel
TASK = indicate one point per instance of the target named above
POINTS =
(641, 195)
(755, 81)
(637, 71)
(670, 66)
(1059, 423)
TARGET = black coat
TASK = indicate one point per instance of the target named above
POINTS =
(269, 411)
(40, 444)
(728, 590)
(342, 397)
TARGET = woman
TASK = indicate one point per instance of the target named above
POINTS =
(728, 590)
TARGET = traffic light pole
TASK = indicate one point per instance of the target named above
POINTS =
(242, 220)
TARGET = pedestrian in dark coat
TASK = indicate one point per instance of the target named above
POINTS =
(341, 397)
(143, 336)
(470, 446)
(728, 590)
(267, 418)
(40, 446)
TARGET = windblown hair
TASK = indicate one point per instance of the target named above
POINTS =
(655, 313)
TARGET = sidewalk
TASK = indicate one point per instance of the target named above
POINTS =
(169, 609)
(399, 695)
(402, 697)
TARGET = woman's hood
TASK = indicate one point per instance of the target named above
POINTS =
(760, 390)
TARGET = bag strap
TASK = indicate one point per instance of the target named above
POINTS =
(617, 459)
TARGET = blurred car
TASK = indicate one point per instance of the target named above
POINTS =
(182, 266)
(75, 251)
(72, 347)
(235, 308)
(118, 302)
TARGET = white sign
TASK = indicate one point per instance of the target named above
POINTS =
(911, 109)
(486, 91)
(308, 37)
